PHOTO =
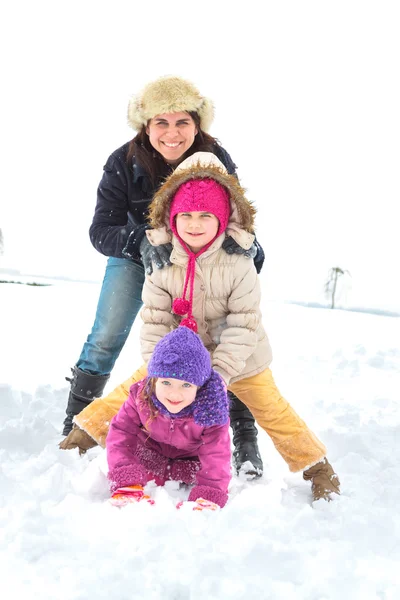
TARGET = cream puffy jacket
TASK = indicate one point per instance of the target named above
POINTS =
(226, 299)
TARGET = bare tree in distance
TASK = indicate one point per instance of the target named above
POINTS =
(331, 284)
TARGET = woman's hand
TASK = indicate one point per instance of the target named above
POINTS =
(232, 247)
(159, 255)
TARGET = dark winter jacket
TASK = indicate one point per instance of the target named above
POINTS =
(123, 197)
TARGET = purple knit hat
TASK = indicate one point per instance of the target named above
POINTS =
(182, 355)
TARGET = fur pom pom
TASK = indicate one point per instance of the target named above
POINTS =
(180, 306)
(190, 323)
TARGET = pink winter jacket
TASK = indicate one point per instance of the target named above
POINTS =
(172, 448)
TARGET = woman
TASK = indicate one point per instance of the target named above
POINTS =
(171, 118)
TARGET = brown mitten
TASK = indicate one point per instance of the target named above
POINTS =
(77, 438)
(324, 480)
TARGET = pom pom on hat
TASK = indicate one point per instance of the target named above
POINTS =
(190, 323)
(180, 306)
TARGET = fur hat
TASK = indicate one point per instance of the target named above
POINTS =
(169, 94)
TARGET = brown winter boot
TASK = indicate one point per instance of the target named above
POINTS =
(324, 480)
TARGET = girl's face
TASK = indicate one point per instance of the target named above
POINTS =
(171, 134)
(175, 394)
(196, 228)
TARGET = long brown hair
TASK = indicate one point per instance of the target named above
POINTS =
(154, 163)
(145, 399)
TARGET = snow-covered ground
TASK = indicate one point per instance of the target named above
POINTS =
(60, 539)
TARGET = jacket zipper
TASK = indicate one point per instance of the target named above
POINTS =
(171, 429)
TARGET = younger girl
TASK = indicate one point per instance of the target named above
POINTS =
(173, 426)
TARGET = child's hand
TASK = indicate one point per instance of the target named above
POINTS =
(128, 495)
(201, 504)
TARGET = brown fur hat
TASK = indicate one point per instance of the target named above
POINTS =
(169, 94)
(202, 165)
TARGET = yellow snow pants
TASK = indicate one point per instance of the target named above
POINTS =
(295, 442)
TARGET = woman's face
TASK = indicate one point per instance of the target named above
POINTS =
(171, 134)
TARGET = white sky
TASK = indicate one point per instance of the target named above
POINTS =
(306, 94)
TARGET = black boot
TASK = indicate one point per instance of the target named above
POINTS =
(246, 455)
(84, 388)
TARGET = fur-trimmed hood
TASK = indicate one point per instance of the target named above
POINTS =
(203, 165)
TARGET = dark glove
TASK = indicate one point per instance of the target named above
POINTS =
(77, 438)
(159, 255)
(232, 247)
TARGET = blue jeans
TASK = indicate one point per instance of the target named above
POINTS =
(119, 303)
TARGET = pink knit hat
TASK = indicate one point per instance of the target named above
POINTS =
(198, 195)
(201, 195)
